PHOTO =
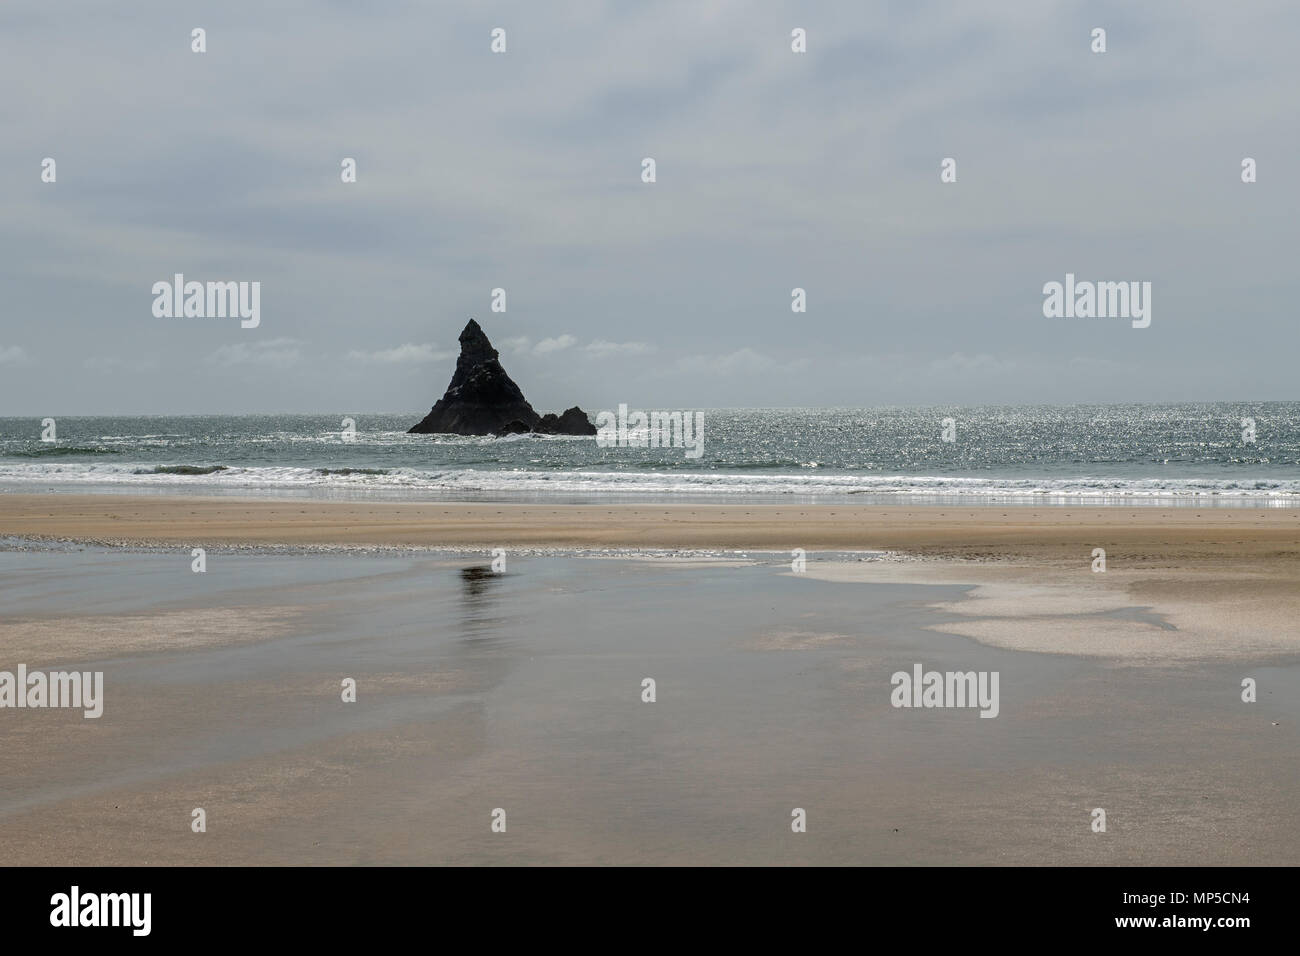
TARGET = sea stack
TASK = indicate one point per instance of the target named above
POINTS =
(483, 400)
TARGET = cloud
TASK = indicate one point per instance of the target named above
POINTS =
(407, 353)
(744, 361)
(111, 363)
(601, 348)
(845, 202)
(558, 344)
(274, 353)
(14, 355)
(983, 363)
(598, 348)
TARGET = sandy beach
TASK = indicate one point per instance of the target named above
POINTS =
(1139, 536)
(522, 690)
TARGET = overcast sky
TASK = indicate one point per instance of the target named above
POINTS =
(522, 170)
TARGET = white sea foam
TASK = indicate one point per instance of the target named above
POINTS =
(408, 482)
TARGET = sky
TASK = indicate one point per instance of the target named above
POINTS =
(522, 170)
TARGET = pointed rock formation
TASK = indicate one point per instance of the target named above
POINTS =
(483, 400)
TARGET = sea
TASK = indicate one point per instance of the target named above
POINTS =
(1229, 454)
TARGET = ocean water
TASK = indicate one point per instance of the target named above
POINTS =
(1124, 454)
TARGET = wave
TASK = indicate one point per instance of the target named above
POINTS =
(180, 470)
(471, 481)
(59, 451)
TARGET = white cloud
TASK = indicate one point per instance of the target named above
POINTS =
(558, 344)
(111, 363)
(602, 348)
(275, 353)
(742, 361)
(403, 354)
(14, 355)
(983, 363)
(517, 344)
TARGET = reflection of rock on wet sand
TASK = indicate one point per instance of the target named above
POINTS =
(478, 600)
(473, 580)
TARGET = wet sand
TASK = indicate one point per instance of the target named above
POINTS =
(1223, 579)
(522, 691)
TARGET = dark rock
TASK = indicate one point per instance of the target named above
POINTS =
(572, 422)
(483, 400)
